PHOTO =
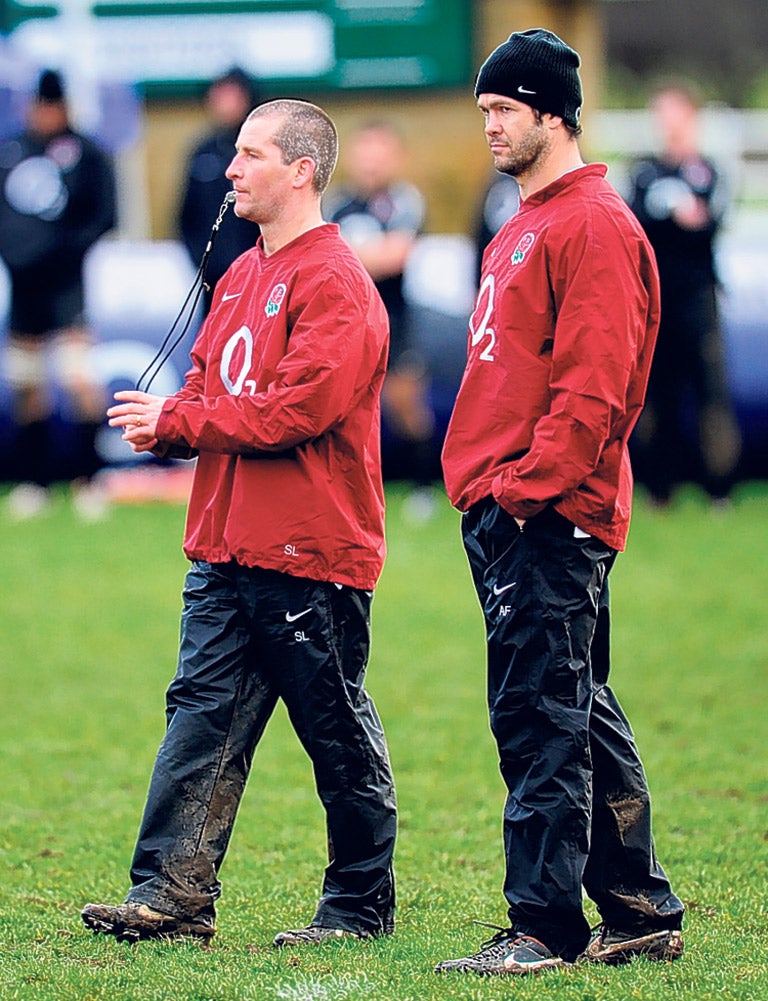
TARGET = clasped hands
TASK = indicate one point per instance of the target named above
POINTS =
(137, 414)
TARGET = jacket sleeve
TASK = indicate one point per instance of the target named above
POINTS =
(601, 280)
(317, 381)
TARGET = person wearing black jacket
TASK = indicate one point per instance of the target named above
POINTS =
(228, 101)
(679, 198)
(57, 198)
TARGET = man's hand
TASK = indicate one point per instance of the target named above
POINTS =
(137, 414)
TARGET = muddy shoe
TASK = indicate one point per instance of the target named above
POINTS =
(313, 935)
(133, 922)
(506, 953)
(607, 945)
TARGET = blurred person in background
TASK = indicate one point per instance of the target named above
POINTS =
(499, 201)
(57, 198)
(560, 347)
(227, 102)
(380, 215)
(680, 198)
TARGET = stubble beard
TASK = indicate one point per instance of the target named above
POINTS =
(524, 157)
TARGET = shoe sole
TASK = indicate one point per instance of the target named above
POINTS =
(288, 939)
(135, 929)
(661, 946)
(508, 969)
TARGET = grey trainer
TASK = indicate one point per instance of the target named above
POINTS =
(506, 953)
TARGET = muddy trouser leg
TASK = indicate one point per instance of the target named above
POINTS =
(543, 593)
(622, 874)
(539, 588)
(322, 676)
(217, 707)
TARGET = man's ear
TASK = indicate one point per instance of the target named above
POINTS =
(551, 121)
(304, 169)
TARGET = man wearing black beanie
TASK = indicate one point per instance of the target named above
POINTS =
(560, 347)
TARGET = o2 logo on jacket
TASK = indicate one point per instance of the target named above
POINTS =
(236, 361)
(479, 323)
(524, 245)
(276, 297)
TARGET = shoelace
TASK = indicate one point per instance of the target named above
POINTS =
(498, 943)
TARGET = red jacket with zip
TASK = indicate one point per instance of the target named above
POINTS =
(559, 353)
(281, 406)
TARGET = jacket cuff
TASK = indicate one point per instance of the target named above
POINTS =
(168, 407)
(518, 508)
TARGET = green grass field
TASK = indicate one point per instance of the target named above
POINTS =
(89, 628)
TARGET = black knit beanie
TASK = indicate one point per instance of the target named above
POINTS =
(537, 68)
(50, 87)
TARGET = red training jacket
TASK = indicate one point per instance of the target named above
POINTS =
(559, 352)
(281, 406)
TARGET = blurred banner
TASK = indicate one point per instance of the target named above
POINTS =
(328, 44)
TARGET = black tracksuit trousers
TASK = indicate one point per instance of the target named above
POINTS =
(248, 638)
(578, 810)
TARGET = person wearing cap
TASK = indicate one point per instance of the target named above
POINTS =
(57, 198)
(228, 101)
(559, 351)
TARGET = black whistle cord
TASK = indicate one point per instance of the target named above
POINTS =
(195, 291)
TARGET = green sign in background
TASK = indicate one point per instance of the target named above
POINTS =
(350, 44)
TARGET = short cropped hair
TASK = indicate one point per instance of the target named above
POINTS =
(306, 130)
